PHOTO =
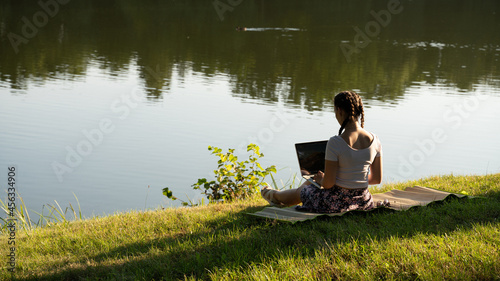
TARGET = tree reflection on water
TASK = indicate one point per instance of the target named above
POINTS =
(290, 52)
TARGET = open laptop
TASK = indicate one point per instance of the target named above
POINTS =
(311, 157)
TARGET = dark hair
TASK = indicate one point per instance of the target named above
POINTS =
(351, 103)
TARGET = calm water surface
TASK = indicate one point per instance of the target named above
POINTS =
(112, 101)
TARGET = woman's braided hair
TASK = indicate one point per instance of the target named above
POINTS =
(351, 103)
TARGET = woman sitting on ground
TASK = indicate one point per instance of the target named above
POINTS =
(353, 161)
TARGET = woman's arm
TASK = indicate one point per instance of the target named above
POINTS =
(375, 176)
(327, 179)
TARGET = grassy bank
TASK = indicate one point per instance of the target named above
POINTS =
(457, 239)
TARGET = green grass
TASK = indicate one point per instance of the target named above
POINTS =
(54, 214)
(456, 239)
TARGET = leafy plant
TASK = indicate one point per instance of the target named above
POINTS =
(233, 179)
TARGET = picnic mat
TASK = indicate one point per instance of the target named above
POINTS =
(399, 200)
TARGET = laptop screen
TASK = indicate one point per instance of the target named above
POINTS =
(311, 156)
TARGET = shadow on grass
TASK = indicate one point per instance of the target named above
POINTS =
(238, 240)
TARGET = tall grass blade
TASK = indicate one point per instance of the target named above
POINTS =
(26, 222)
(61, 213)
(79, 208)
(275, 185)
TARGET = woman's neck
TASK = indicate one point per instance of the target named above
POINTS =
(352, 125)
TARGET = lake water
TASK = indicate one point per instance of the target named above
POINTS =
(112, 101)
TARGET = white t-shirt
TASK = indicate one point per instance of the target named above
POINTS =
(354, 164)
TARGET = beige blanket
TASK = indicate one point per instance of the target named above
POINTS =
(399, 200)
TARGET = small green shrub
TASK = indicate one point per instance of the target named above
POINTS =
(233, 179)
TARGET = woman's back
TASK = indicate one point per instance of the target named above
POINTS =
(358, 139)
(354, 152)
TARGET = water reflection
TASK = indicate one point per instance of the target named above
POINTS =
(290, 51)
(196, 81)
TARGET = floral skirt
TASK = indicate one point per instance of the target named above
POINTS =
(334, 200)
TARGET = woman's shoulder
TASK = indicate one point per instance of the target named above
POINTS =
(375, 137)
(335, 139)
(376, 142)
(336, 142)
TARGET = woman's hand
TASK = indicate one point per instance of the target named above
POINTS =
(318, 178)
